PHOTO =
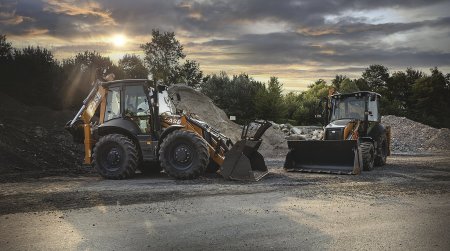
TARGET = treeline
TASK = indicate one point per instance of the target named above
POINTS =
(411, 93)
(33, 76)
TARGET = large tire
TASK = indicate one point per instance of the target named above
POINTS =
(184, 155)
(380, 158)
(368, 155)
(115, 157)
(150, 167)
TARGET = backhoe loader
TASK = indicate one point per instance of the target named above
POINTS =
(353, 140)
(132, 124)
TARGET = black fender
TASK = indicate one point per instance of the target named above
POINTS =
(166, 132)
(120, 126)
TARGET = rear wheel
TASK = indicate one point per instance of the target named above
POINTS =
(115, 157)
(368, 155)
(380, 159)
(184, 155)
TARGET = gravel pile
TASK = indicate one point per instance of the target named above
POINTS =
(273, 145)
(414, 137)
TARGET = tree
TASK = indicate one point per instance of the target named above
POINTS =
(214, 88)
(81, 71)
(337, 81)
(240, 97)
(6, 52)
(432, 105)
(190, 74)
(5, 48)
(235, 96)
(292, 103)
(376, 77)
(33, 76)
(397, 99)
(133, 67)
(362, 84)
(269, 101)
(310, 103)
(162, 56)
(348, 86)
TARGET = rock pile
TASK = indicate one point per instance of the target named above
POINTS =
(300, 132)
(414, 137)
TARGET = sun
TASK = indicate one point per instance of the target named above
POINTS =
(119, 40)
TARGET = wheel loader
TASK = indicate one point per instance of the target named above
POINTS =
(132, 124)
(354, 138)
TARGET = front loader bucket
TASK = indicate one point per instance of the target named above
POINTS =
(244, 162)
(324, 156)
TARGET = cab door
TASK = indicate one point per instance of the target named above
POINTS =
(137, 108)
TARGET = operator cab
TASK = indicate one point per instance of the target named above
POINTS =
(350, 108)
(137, 101)
(355, 106)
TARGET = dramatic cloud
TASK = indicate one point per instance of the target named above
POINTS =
(295, 40)
(82, 8)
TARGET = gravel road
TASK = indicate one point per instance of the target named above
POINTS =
(404, 205)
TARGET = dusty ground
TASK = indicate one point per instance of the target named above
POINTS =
(402, 206)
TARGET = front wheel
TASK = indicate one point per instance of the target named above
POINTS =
(184, 155)
(368, 155)
(115, 157)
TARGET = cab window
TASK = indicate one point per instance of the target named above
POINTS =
(136, 107)
(112, 110)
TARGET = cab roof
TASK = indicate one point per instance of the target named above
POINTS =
(353, 94)
(126, 81)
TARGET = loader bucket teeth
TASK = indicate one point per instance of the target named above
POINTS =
(330, 156)
(243, 162)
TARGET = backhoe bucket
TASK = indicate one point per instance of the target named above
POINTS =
(324, 156)
(244, 162)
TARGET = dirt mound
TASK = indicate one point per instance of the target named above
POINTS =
(199, 104)
(411, 136)
(195, 102)
(33, 140)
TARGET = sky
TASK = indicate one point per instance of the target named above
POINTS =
(298, 41)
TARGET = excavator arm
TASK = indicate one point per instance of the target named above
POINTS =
(80, 125)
